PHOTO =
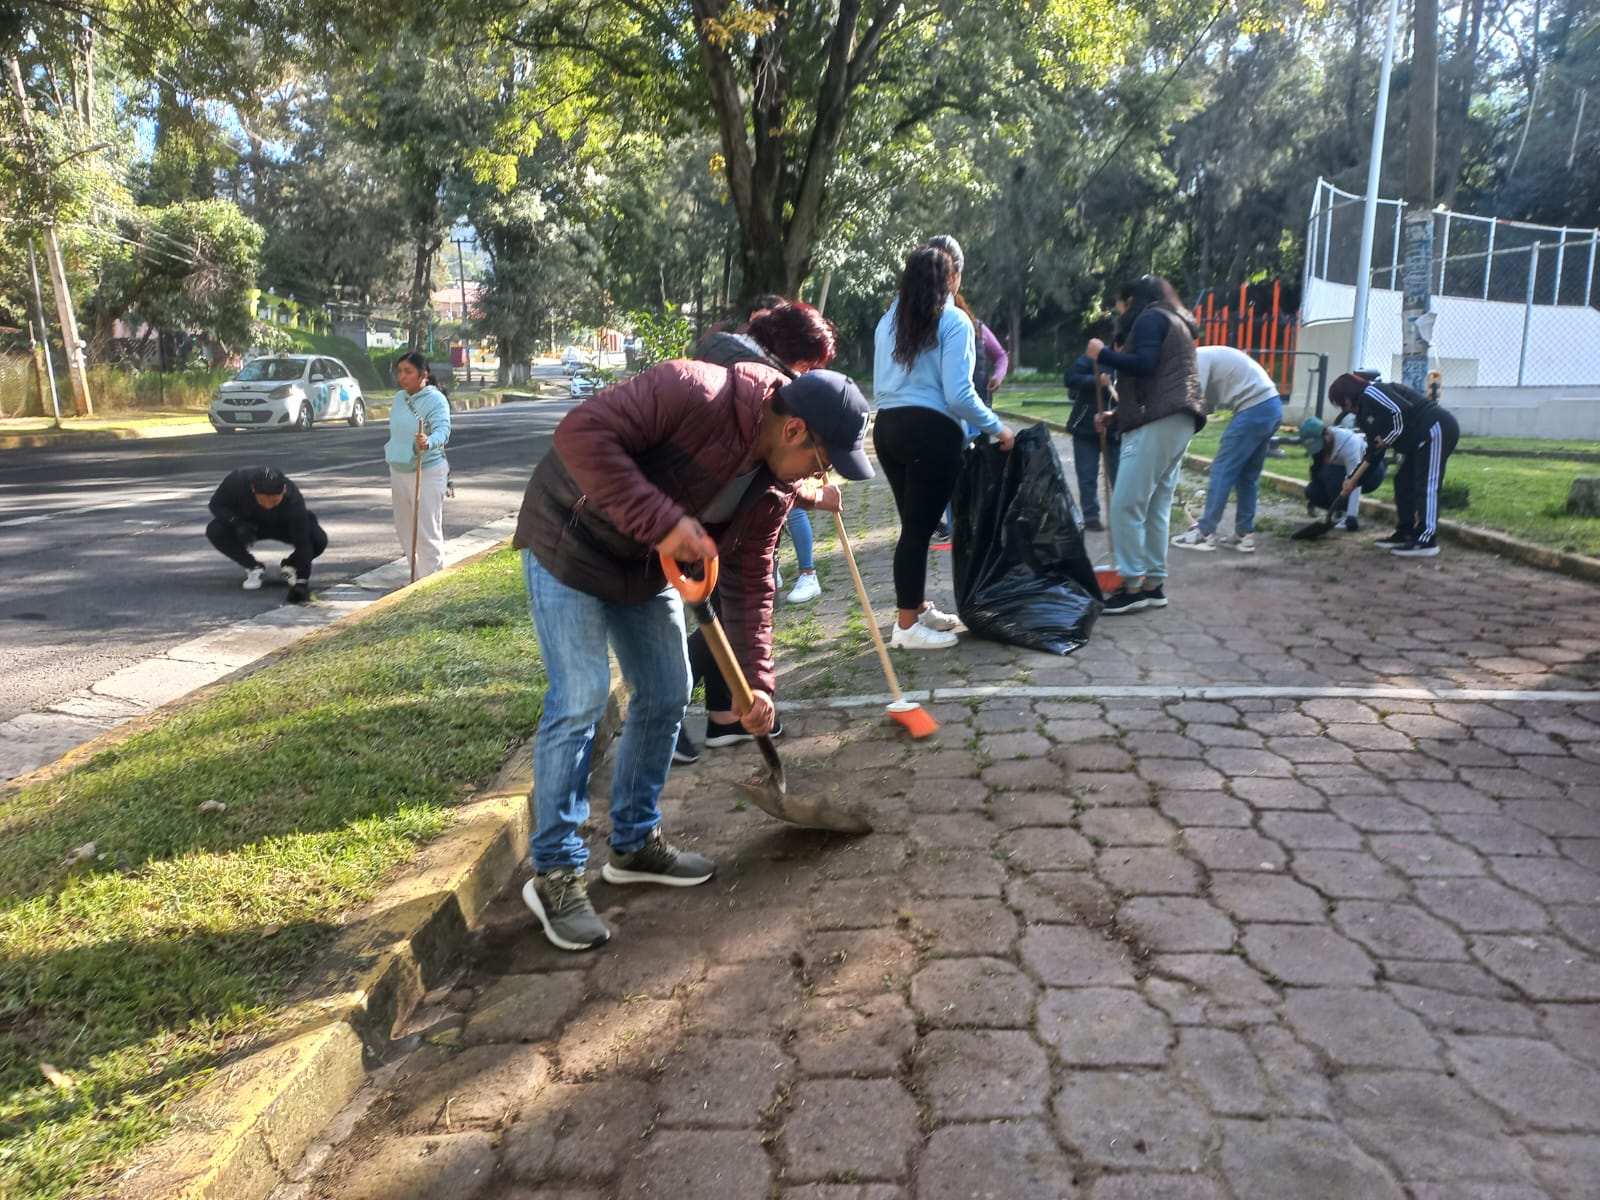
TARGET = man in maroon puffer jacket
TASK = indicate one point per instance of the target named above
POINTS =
(664, 462)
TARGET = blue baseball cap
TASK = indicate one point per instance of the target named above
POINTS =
(836, 414)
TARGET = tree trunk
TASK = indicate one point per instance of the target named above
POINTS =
(417, 302)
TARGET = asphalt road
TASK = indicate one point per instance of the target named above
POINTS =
(103, 556)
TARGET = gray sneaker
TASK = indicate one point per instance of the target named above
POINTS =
(658, 861)
(560, 899)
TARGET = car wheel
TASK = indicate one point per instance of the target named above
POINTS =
(303, 419)
(358, 415)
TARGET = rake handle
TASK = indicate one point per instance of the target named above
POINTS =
(866, 608)
(1105, 458)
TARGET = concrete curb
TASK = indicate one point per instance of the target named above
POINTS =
(1578, 566)
(243, 1133)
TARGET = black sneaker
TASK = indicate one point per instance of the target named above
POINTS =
(941, 532)
(560, 899)
(684, 751)
(1155, 597)
(730, 733)
(1396, 539)
(1124, 602)
(658, 861)
(1093, 527)
(1351, 525)
(1421, 548)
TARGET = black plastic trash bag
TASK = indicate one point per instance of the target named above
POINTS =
(1022, 574)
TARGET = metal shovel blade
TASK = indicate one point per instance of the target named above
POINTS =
(1311, 532)
(769, 791)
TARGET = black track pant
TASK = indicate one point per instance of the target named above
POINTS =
(920, 453)
(235, 542)
(703, 667)
(1419, 477)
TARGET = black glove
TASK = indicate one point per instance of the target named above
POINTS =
(300, 593)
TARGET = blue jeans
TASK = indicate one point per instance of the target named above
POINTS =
(1141, 499)
(1238, 464)
(574, 629)
(1086, 462)
(799, 527)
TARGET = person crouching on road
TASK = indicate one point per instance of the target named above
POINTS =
(658, 465)
(419, 428)
(1236, 383)
(1421, 429)
(1336, 454)
(262, 504)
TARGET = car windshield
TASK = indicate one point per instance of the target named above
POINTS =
(273, 370)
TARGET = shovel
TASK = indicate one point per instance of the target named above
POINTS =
(768, 790)
(1311, 532)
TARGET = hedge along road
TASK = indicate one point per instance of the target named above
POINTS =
(104, 561)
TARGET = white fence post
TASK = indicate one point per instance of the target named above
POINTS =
(1527, 311)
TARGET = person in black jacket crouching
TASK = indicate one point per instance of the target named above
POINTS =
(262, 504)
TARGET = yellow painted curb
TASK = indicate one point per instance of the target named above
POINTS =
(245, 1131)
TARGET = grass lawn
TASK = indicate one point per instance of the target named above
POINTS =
(137, 972)
(1525, 497)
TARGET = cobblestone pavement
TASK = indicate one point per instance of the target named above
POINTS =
(1107, 941)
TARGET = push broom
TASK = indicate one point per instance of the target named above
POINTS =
(1107, 577)
(908, 713)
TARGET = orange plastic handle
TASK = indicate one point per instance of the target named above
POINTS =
(693, 590)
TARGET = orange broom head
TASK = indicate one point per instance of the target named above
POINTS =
(914, 717)
(1108, 579)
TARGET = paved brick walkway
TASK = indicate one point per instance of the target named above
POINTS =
(1282, 944)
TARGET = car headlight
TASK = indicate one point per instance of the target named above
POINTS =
(281, 393)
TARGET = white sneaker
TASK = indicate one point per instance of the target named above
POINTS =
(807, 587)
(252, 579)
(777, 578)
(1245, 543)
(940, 622)
(1193, 539)
(922, 637)
(290, 578)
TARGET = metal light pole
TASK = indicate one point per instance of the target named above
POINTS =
(466, 346)
(1369, 211)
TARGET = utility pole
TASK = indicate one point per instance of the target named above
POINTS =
(466, 347)
(1417, 229)
(77, 366)
(44, 335)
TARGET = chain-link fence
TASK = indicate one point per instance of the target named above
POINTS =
(18, 389)
(1511, 300)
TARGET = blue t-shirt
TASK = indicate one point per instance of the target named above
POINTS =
(432, 413)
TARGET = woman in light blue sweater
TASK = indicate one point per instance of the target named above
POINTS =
(419, 427)
(923, 356)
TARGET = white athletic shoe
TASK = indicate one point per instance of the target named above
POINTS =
(808, 587)
(921, 637)
(1193, 539)
(777, 578)
(939, 622)
(290, 578)
(1245, 543)
(252, 579)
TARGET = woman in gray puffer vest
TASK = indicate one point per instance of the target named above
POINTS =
(1160, 408)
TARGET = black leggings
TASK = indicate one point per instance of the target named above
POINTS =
(703, 668)
(920, 453)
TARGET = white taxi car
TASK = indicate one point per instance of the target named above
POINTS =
(288, 391)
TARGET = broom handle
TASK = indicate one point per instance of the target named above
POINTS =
(1105, 459)
(866, 607)
(416, 505)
